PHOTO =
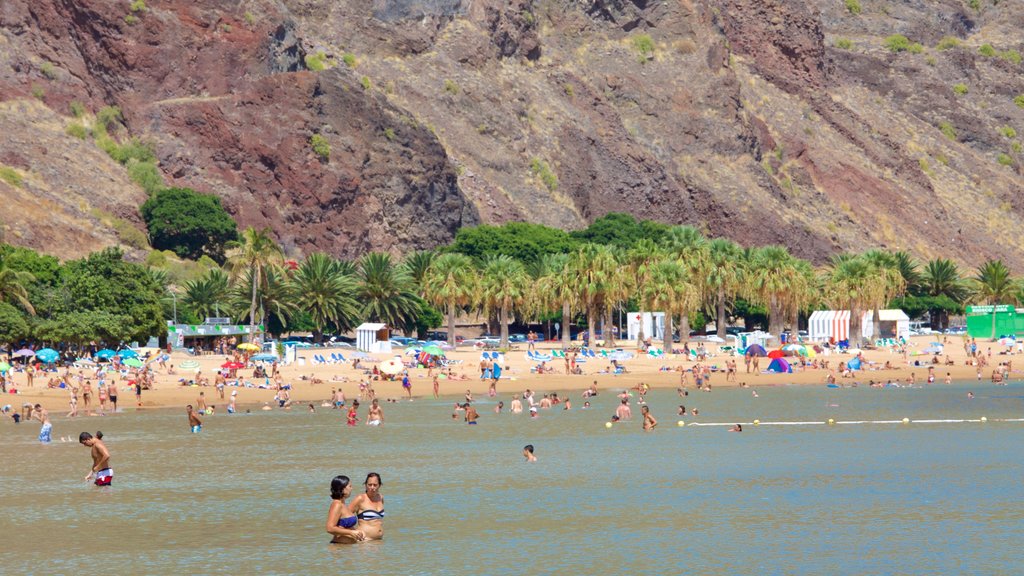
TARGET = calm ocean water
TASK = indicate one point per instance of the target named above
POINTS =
(250, 493)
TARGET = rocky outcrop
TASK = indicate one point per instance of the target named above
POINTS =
(766, 121)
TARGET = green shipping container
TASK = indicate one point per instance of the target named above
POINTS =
(1009, 321)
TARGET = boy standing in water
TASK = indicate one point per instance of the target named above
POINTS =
(41, 414)
(528, 453)
(100, 459)
(194, 423)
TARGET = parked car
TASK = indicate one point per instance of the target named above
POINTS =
(517, 337)
(402, 340)
(733, 330)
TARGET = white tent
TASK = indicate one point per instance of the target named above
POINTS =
(371, 337)
(892, 324)
(825, 325)
(653, 324)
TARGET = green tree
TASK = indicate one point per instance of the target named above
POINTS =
(670, 289)
(274, 295)
(859, 283)
(450, 281)
(556, 288)
(13, 326)
(325, 293)
(622, 230)
(724, 277)
(117, 292)
(386, 291)
(503, 286)
(12, 287)
(206, 296)
(772, 282)
(416, 264)
(993, 285)
(892, 283)
(521, 240)
(596, 271)
(189, 223)
(639, 261)
(253, 254)
(942, 279)
(691, 248)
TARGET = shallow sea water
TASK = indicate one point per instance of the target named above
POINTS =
(250, 493)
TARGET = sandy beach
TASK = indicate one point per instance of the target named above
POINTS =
(660, 372)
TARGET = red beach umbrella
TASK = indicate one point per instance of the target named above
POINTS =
(776, 354)
(232, 365)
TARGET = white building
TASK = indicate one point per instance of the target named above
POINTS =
(372, 337)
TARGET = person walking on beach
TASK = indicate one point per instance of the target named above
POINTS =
(41, 414)
(194, 423)
(341, 521)
(87, 396)
(73, 402)
(407, 384)
(649, 421)
(113, 395)
(436, 386)
(100, 459)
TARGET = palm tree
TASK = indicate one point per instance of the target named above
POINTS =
(691, 248)
(450, 281)
(893, 278)
(325, 293)
(275, 297)
(908, 268)
(640, 261)
(861, 283)
(724, 277)
(771, 277)
(12, 287)
(204, 295)
(557, 287)
(417, 263)
(670, 289)
(386, 291)
(595, 269)
(503, 286)
(253, 254)
(994, 286)
(941, 278)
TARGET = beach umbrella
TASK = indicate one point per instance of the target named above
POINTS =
(248, 346)
(24, 353)
(232, 365)
(47, 355)
(756, 350)
(264, 357)
(716, 339)
(106, 354)
(391, 366)
(133, 362)
(126, 354)
(433, 350)
(776, 354)
(780, 366)
(189, 364)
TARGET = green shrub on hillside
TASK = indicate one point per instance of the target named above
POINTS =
(540, 169)
(365, 81)
(643, 44)
(138, 6)
(77, 130)
(987, 50)
(48, 70)
(77, 109)
(316, 62)
(146, 175)
(853, 6)
(900, 43)
(1011, 56)
(349, 59)
(451, 87)
(11, 176)
(1019, 100)
(960, 89)
(320, 146)
(130, 19)
(947, 43)
(107, 116)
(1008, 131)
(947, 129)
(1005, 160)
(38, 93)
(844, 43)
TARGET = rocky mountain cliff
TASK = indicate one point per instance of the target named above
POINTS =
(767, 121)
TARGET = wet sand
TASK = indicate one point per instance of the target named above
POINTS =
(517, 376)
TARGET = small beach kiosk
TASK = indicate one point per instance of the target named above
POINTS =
(1009, 321)
(372, 337)
(834, 325)
(652, 323)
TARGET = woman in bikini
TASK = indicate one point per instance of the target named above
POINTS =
(369, 508)
(341, 521)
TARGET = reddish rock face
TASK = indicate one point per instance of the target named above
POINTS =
(742, 117)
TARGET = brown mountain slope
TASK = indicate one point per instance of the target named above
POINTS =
(744, 117)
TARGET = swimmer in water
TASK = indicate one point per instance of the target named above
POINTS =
(341, 521)
(649, 421)
(369, 508)
(736, 428)
(100, 459)
(194, 423)
(528, 453)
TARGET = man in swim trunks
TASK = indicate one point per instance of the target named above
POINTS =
(623, 411)
(41, 414)
(100, 459)
(194, 423)
(471, 414)
(375, 416)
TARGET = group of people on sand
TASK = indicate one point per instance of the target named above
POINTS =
(360, 520)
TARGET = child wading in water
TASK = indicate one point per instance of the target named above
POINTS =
(353, 413)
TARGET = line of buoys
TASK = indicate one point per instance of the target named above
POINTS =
(834, 422)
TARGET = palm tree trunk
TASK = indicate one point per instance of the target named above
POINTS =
(855, 326)
(993, 321)
(504, 327)
(591, 324)
(451, 324)
(775, 319)
(668, 332)
(876, 325)
(609, 329)
(684, 328)
(566, 331)
(720, 316)
(252, 307)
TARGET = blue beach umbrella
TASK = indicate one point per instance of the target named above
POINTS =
(47, 355)
(264, 357)
(756, 350)
(106, 354)
(127, 353)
